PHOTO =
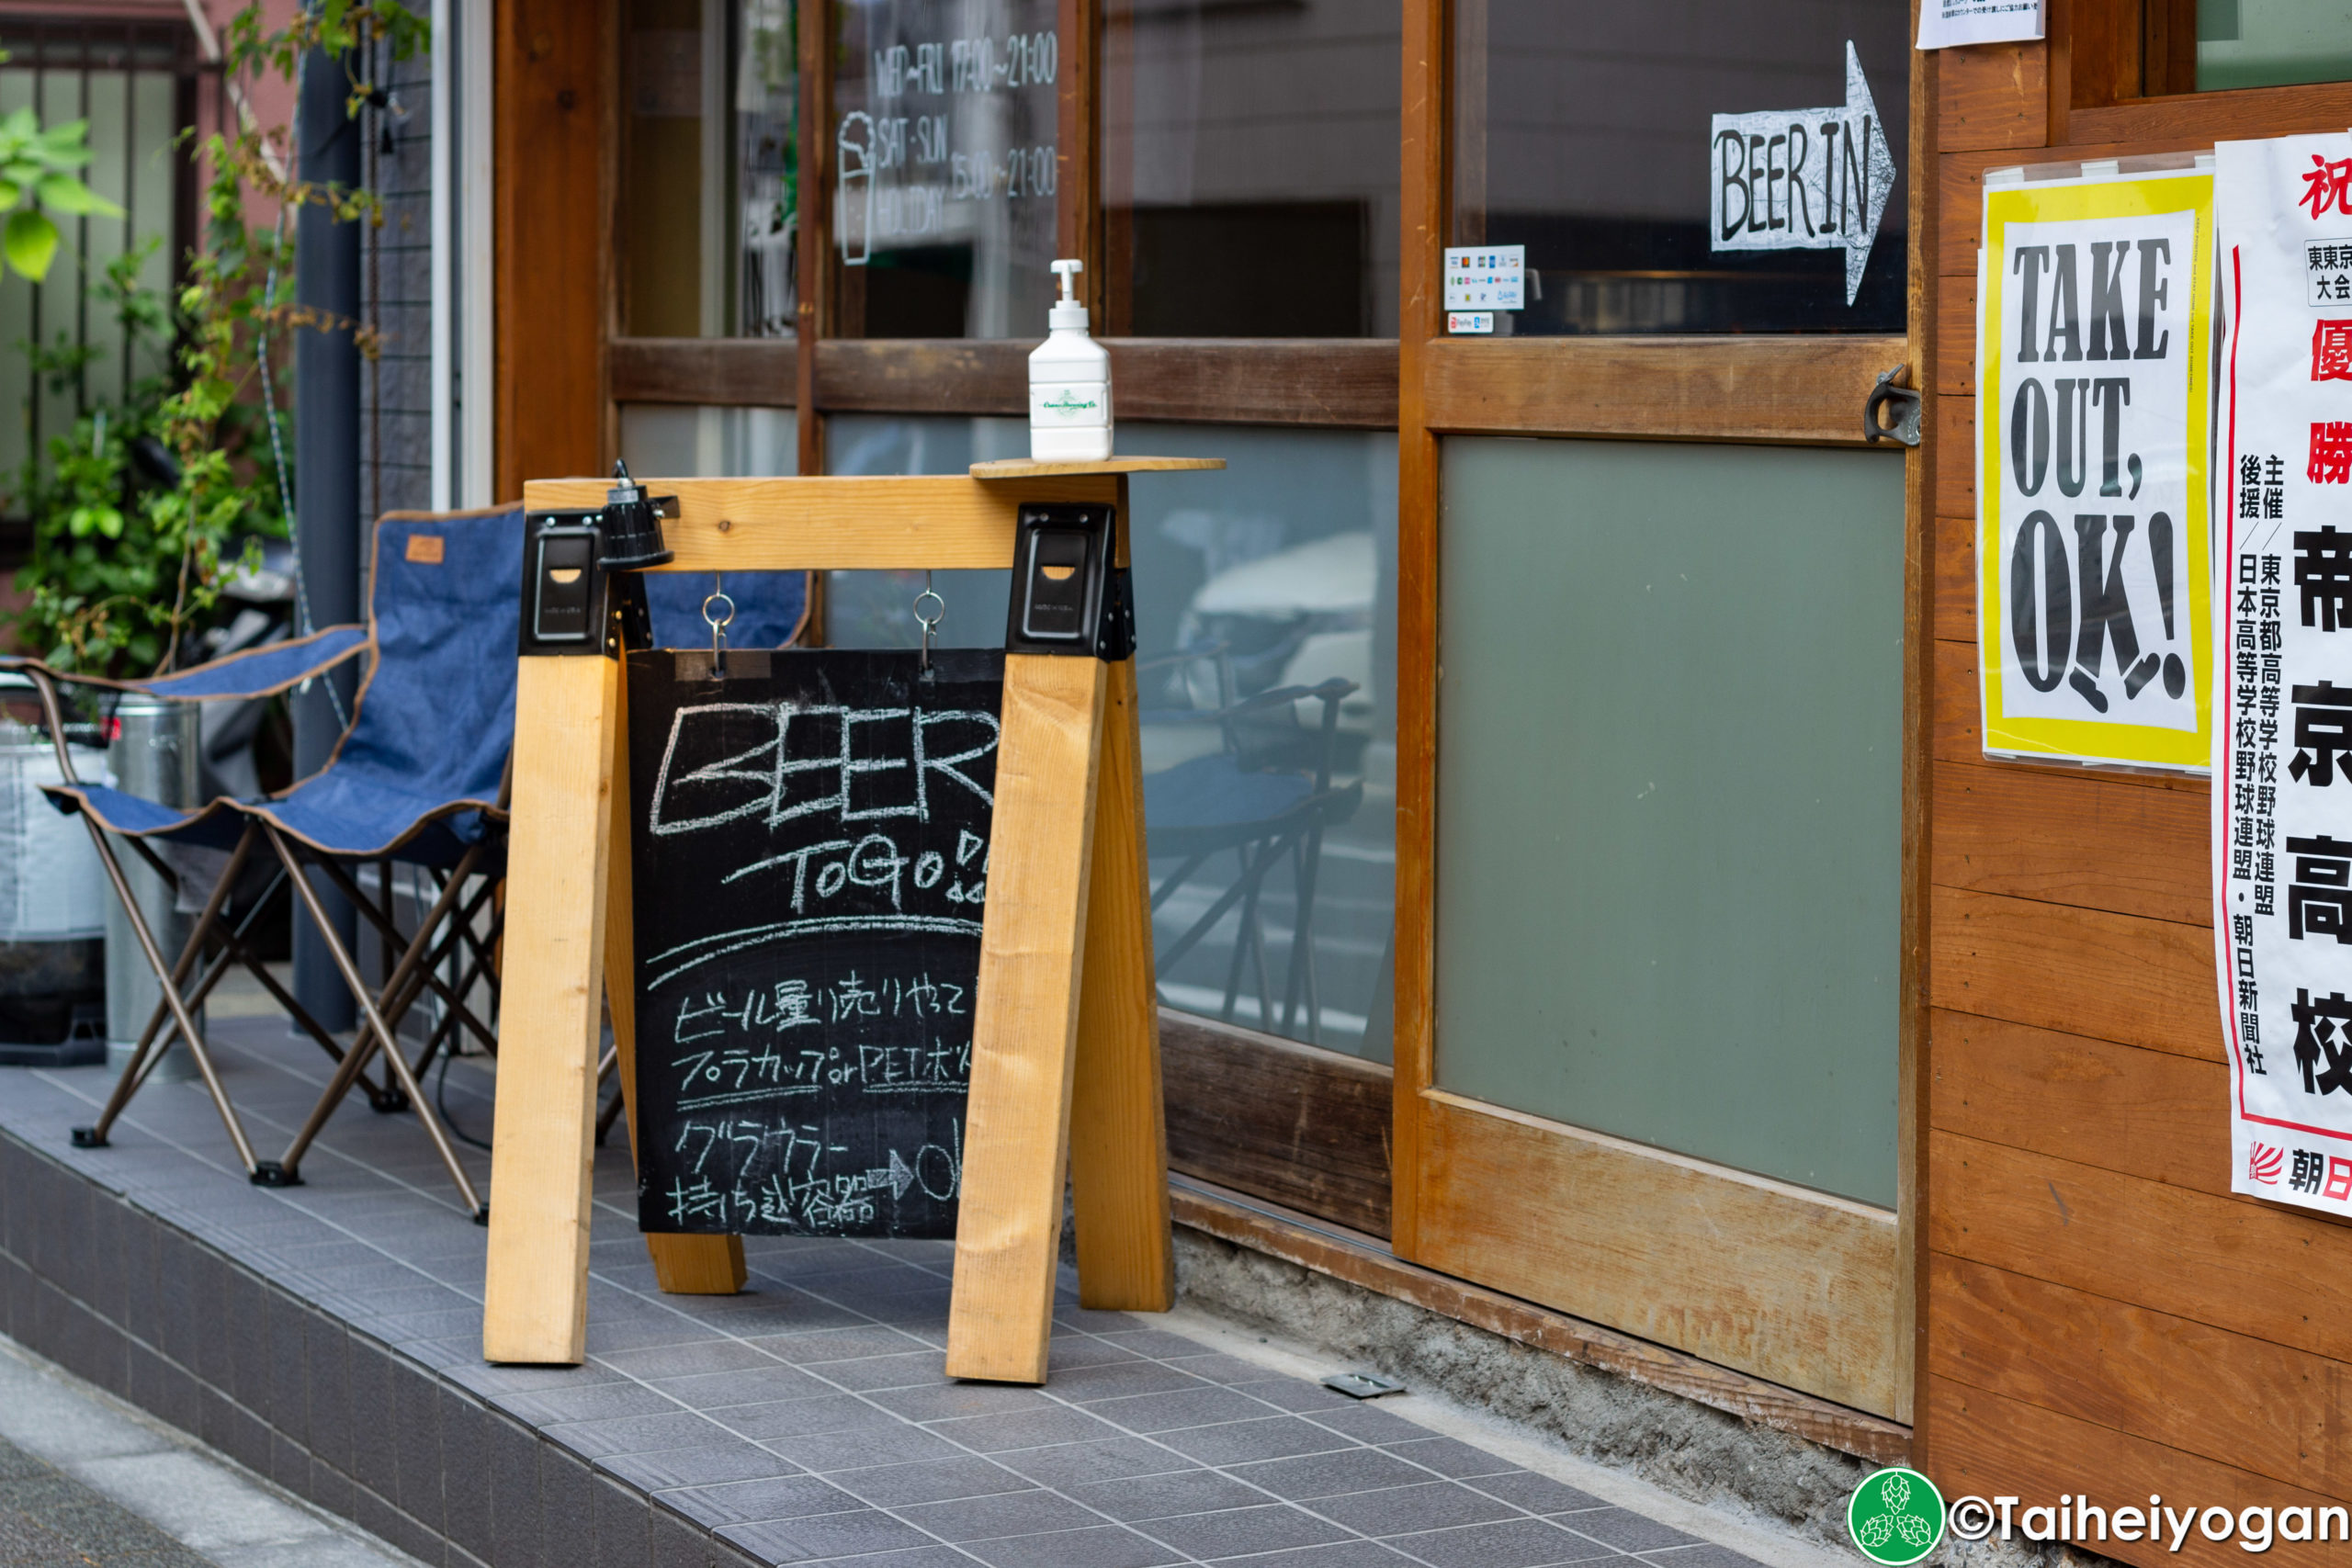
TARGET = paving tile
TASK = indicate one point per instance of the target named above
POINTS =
(861, 1448)
(935, 1481)
(1164, 1496)
(942, 1402)
(1706, 1555)
(1508, 1544)
(632, 1434)
(823, 1536)
(1341, 1554)
(1135, 1337)
(1120, 1378)
(1449, 1457)
(624, 1528)
(656, 1362)
(707, 1465)
(607, 1334)
(1270, 1527)
(1103, 1546)
(1536, 1493)
(1076, 1464)
(1368, 1422)
(834, 1343)
(1277, 1437)
(1627, 1530)
(751, 1502)
(829, 1413)
(748, 1385)
(913, 1369)
(1201, 1406)
(1331, 1474)
(1399, 1509)
(1031, 1511)
(1024, 1429)
(588, 1402)
(1216, 1366)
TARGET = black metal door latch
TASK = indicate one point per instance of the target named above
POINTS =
(1905, 426)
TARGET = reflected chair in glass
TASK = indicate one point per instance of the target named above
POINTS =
(1253, 797)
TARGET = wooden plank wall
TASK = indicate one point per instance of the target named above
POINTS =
(2102, 1316)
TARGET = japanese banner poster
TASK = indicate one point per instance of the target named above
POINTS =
(2094, 341)
(2282, 750)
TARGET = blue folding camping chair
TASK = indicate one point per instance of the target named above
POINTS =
(418, 778)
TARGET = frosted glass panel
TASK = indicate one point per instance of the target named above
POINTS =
(1669, 784)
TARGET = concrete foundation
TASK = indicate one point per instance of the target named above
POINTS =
(1708, 1456)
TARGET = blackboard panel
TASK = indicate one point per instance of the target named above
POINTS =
(811, 857)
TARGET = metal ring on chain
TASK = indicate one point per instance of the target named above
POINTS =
(716, 622)
(929, 623)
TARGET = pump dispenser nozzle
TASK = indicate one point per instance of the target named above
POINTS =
(1068, 312)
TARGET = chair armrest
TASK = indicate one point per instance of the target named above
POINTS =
(260, 671)
(1329, 691)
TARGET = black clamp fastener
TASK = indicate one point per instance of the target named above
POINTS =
(571, 603)
(1068, 596)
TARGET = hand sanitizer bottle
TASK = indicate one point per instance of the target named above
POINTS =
(1070, 384)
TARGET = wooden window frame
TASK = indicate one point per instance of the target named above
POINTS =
(1820, 1294)
(1335, 383)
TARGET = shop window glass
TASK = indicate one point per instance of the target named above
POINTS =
(1249, 167)
(2272, 43)
(1585, 132)
(1280, 572)
(945, 166)
(710, 169)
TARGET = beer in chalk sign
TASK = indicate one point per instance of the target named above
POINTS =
(2094, 338)
(811, 869)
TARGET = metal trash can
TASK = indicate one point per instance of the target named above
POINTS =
(53, 910)
(154, 754)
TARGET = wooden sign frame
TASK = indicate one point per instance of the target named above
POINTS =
(1066, 1042)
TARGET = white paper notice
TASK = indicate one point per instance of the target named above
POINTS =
(1947, 24)
(2283, 750)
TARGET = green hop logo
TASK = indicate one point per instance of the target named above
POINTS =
(1897, 1517)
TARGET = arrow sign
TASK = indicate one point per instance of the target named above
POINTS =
(1802, 179)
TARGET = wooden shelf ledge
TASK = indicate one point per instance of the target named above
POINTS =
(1367, 1262)
(1034, 468)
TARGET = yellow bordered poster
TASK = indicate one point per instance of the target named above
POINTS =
(2094, 332)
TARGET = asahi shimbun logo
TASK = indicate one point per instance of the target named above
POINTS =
(1897, 1517)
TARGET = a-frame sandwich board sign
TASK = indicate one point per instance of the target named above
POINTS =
(1066, 1060)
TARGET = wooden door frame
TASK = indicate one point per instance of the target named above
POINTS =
(1821, 1299)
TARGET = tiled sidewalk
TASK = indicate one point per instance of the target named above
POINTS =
(806, 1420)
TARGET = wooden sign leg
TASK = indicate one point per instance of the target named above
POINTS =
(683, 1264)
(1118, 1137)
(535, 1295)
(1016, 1129)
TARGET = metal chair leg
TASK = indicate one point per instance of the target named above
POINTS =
(155, 1039)
(386, 1010)
(91, 1136)
(366, 1000)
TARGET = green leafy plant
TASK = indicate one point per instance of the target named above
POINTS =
(123, 575)
(37, 178)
